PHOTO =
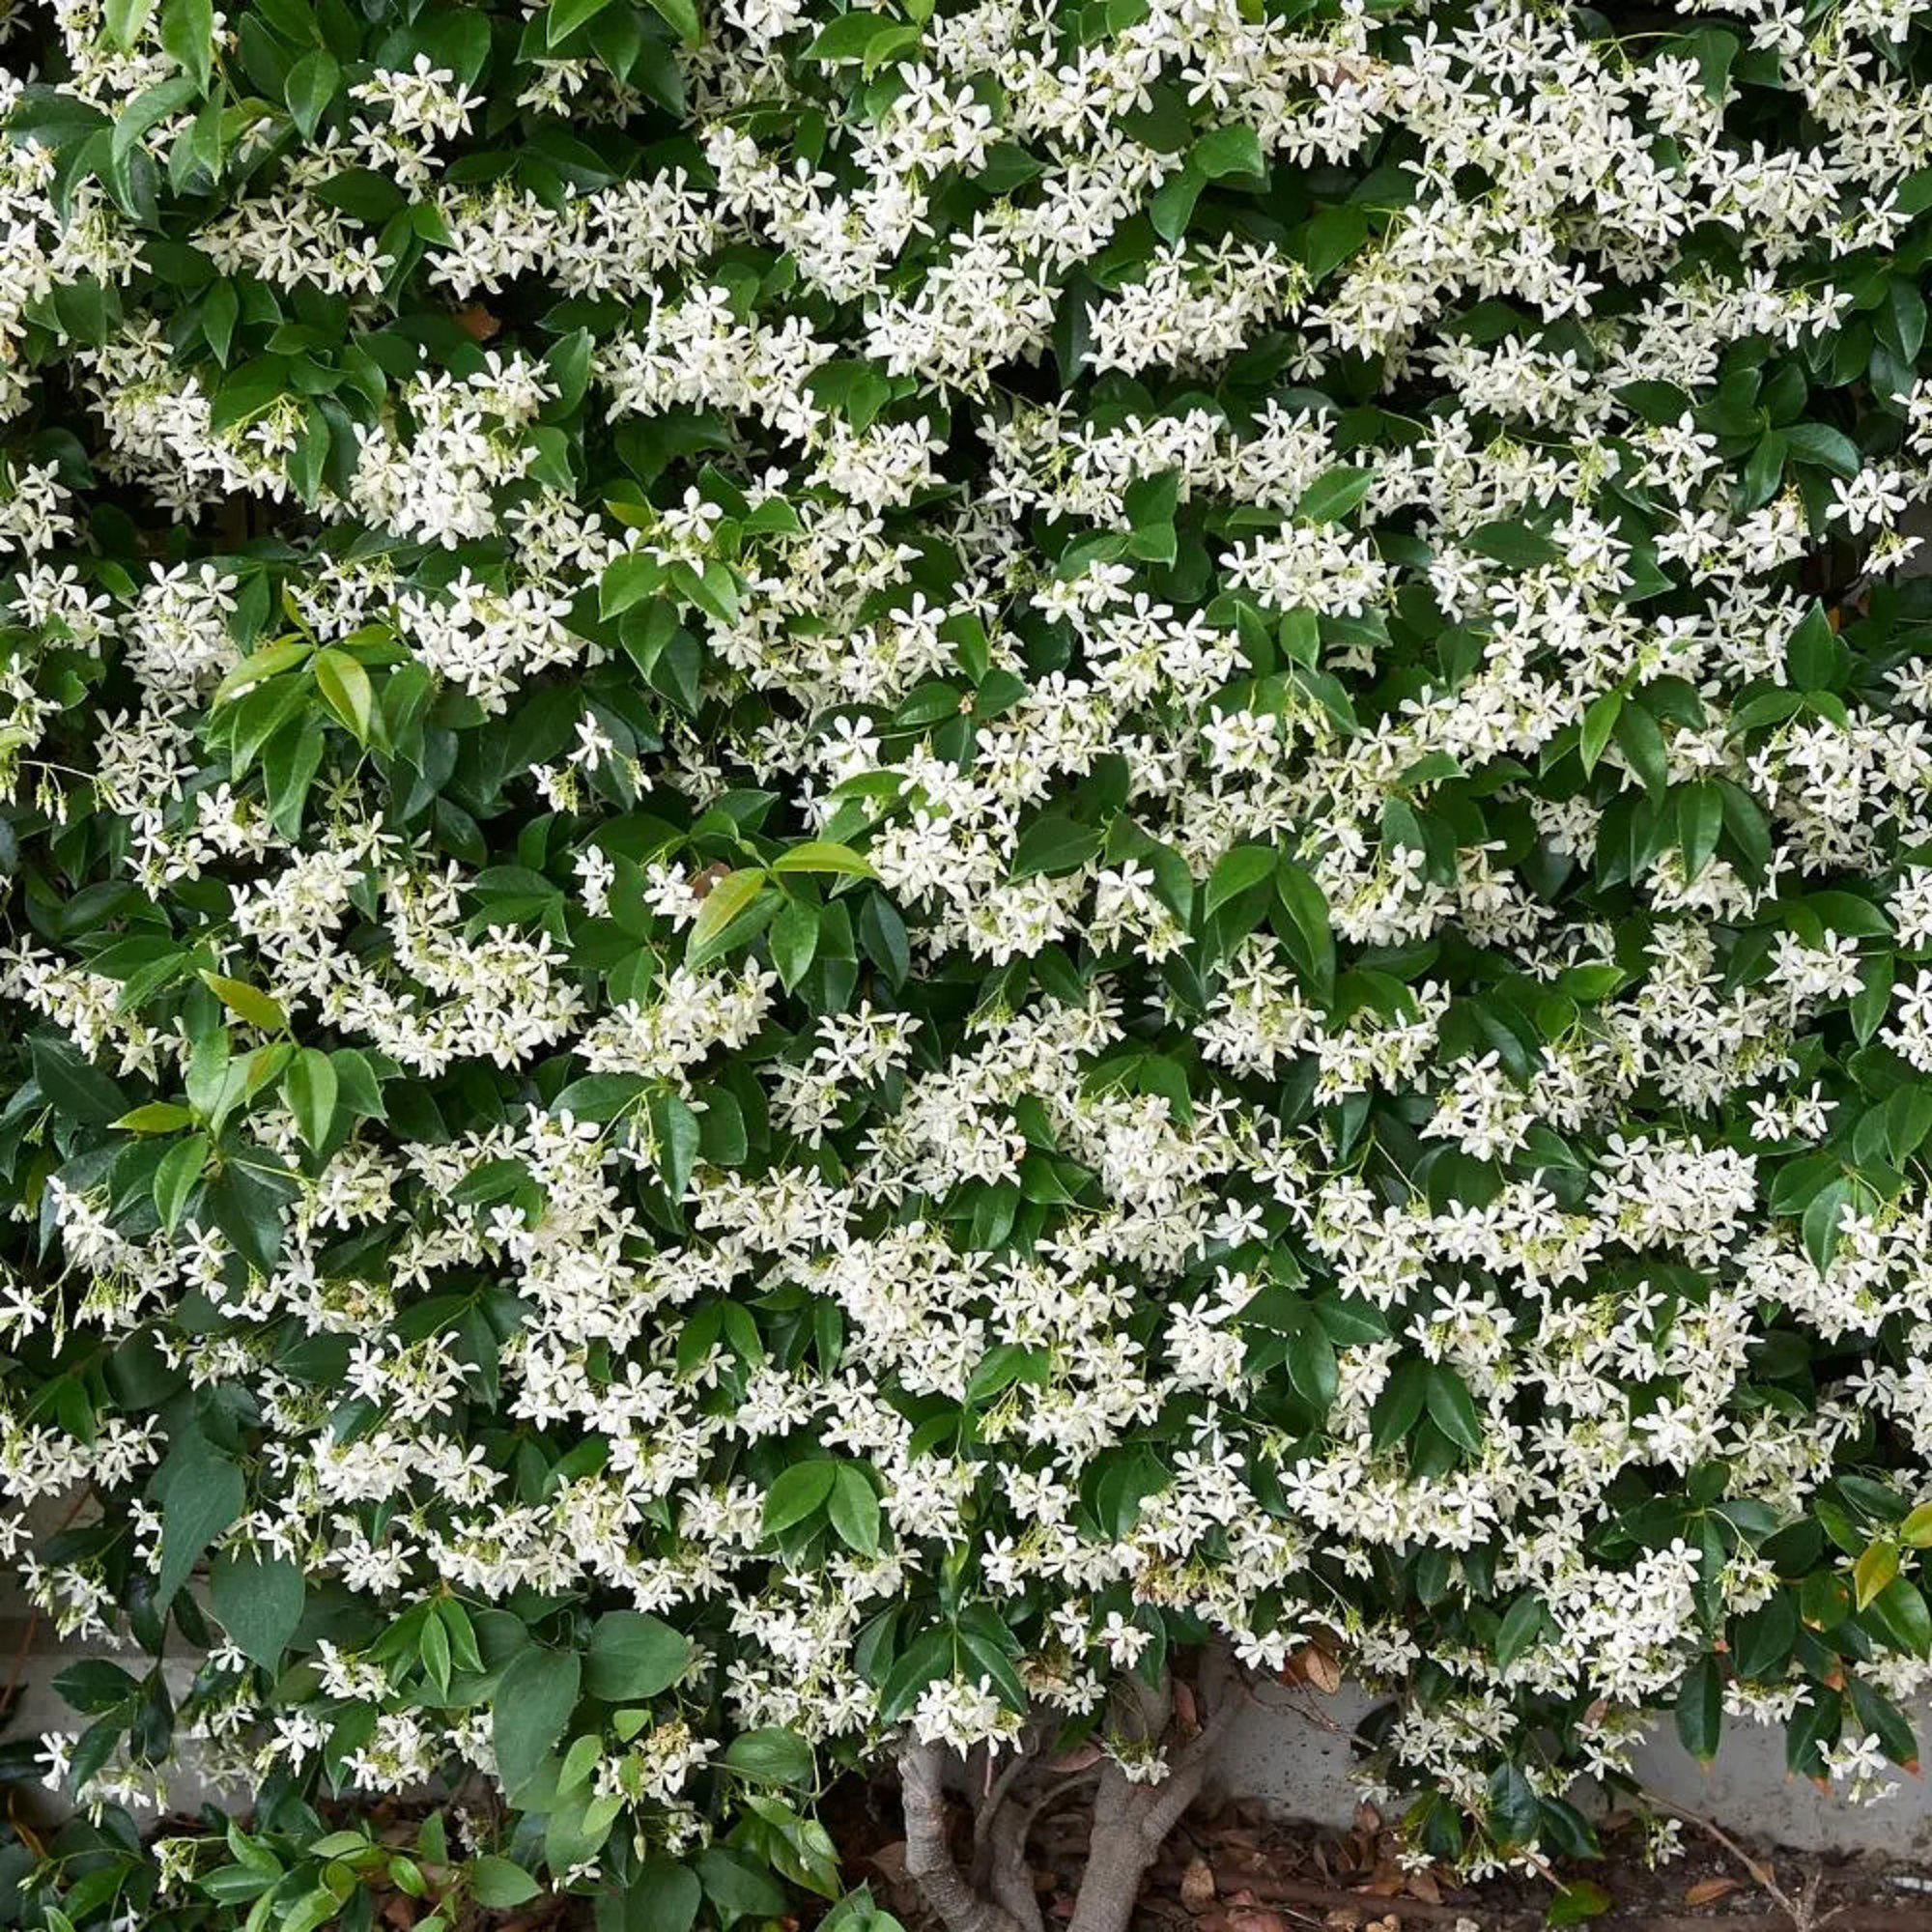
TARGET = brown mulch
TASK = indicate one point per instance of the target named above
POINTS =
(1234, 1870)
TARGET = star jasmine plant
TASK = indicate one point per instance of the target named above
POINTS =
(889, 886)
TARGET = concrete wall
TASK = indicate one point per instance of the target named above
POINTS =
(1293, 1751)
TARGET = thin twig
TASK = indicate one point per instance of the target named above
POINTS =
(1802, 1912)
(1376, 1905)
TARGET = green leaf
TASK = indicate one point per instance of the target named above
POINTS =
(258, 1601)
(310, 1086)
(566, 16)
(1763, 1639)
(739, 1888)
(1768, 707)
(247, 1204)
(1716, 52)
(220, 311)
(1331, 236)
(1900, 1611)
(497, 1882)
(1812, 656)
(1849, 913)
(882, 932)
(1598, 722)
(1333, 496)
(799, 1492)
(73, 1086)
(158, 1117)
(313, 83)
(628, 580)
(1512, 1811)
(1172, 205)
(188, 37)
(1642, 743)
(677, 1136)
(582, 1759)
(93, 1685)
(493, 1181)
(1877, 1565)
(1523, 1628)
(663, 1898)
(1054, 844)
(773, 1757)
(1903, 318)
(1452, 1409)
(793, 939)
(1235, 150)
(1579, 1900)
(1815, 1722)
(822, 855)
(681, 15)
(272, 661)
(358, 1087)
(634, 1655)
(601, 1096)
(851, 36)
(1399, 1407)
(1514, 545)
(126, 20)
(728, 897)
(204, 1495)
(854, 1509)
(721, 1126)
(312, 1911)
(1242, 869)
(1700, 1708)
(1001, 1367)
(1893, 1730)
(176, 1179)
(434, 1650)
(1310, 938)
(152, 106)
(1827, 448)
(1819, 1226)
(1590, 982)
(1870, 1004)
(1700, 819)
(248, 1003)
(346, 687)
(533, 1702)
(1313, 1372)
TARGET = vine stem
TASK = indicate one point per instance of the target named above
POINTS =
(1803, 1911)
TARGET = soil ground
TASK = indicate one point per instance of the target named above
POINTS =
(1237, 1870)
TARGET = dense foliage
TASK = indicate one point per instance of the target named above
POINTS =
(865, 867)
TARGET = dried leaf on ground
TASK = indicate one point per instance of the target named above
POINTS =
(1707, 1890)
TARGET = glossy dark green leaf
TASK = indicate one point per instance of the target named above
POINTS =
(633, 1654)
(204, 1495)
(1700, 1708)
(258, 1599)
(532, 1703)
(798, 1493)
